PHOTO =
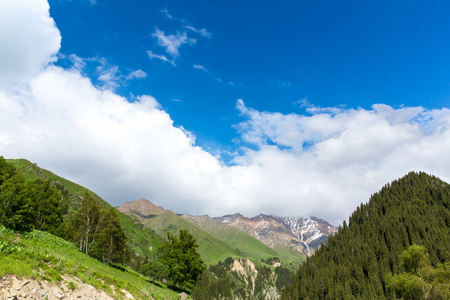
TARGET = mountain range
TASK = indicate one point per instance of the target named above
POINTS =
(302, 234)
(288, 237)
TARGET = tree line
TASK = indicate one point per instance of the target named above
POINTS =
(26, 205)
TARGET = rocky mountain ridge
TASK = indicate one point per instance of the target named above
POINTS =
(303, 234)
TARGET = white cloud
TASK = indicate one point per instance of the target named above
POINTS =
(161, 57)
(108, 76)
(139, 74)
(203, 32)
(165, 11)
(29, 39)
(321, 164)
(78, 63)
(171, 42)
(200, 67)
(337, 159)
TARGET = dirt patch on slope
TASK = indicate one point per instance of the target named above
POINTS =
(15, 287)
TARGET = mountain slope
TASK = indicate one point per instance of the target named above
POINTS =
(356, 262)
(143, 241)
(63, 271)
(248, 244)
(301, 234)
(162, 221)
(212, 248)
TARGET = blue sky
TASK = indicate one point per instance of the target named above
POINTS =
(297, 108)
(269, 54)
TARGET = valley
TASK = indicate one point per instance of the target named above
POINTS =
(244, 257)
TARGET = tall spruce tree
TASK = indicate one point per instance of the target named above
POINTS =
(45, 204)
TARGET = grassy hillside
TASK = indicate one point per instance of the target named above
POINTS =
(216, 240)
(143, 241)
(210, 248)
(40, 255)
(247, 244)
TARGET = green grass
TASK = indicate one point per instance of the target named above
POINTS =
(211, 249)
(40, 255)
(291, 258)
(140, 239)
(144, 241)
(216, 240)
(252, 247)
(255, 249)
(33, 172)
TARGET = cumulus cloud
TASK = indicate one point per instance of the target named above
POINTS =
(324, 163)
(332, 160)
(29, 39)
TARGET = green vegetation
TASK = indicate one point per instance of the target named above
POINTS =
(37, 204)
(98, 231)
(94, 226)
(241, 279)
(248, 246)
(184, 265)
(24, 205)
(420, 280)
(40, 255)
(211, 249)
(359, 261)
(155, 270)
(142, 243)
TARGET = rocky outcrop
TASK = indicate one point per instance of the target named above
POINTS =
(15, 287)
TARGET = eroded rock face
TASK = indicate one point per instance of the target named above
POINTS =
(15, 287)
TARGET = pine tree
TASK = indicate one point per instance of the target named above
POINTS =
(182, 259)
(15, 207)
(45, 204)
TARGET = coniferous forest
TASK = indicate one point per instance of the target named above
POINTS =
(366, 258)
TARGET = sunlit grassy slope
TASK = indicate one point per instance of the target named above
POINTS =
(247, 243)
(141, 240)
(40, 255)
